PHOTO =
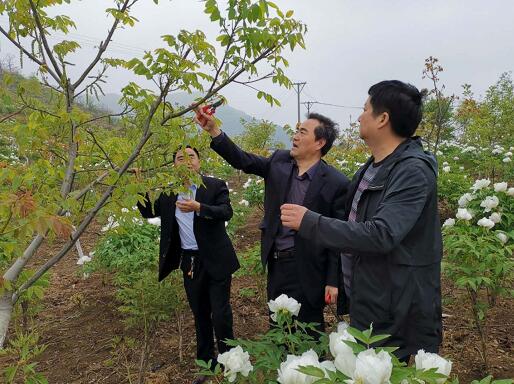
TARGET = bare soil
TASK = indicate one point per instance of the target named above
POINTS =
(79, 321)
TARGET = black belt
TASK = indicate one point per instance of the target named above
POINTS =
(286, 253)
(190, 251)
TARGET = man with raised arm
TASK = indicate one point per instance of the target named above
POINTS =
(391, 236)
(296, 267)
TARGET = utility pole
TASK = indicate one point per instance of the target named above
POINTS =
(298, 87)
(309, 104)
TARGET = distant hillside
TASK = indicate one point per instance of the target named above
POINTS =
(230, 116)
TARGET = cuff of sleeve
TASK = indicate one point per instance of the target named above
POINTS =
(308, 222)
(218, 139)
(332, 278)
(203, 211)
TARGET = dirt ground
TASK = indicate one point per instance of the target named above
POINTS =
(79, 322)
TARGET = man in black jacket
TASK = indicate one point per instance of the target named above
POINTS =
(391, 237)
(296, 267)
(193, 237)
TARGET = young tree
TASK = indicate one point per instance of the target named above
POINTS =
(437, 110)
(70, 162)
(490, 121)
(258, 136)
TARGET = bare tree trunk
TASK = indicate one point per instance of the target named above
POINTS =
(7, 301)
(180, 325)
(6, 307)
(145, 354)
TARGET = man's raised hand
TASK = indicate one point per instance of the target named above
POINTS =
(207, 122)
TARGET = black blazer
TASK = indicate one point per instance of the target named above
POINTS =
(317, 266)
(214, 246)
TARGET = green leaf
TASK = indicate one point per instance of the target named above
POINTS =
(311, 371)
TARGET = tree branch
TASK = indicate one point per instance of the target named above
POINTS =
(12, 114)
(103, 45)
(103, 200)
(30, 55)
(124, 112)
(217, 89)
(101, 148)
(45, 42)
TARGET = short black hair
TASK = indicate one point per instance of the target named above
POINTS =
(402, 101)
(180, 149)
(327, 129)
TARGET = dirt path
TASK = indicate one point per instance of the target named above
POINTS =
(79, 322)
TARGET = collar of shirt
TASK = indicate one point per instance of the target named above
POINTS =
(190, 195)
(309, 173)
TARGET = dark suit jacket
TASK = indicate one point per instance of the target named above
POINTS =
(214, 246)
(317, 265)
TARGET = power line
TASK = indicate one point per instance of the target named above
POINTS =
(338, 105)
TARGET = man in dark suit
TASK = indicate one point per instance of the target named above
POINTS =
(302, 270)
(193, 237)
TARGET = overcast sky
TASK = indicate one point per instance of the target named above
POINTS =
(350, 46)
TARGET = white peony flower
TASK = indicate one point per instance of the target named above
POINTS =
(247, 184)
(510, 191)
(463, 214)
(479, 184)
(288, 373)
(495, 217)
(439, 153)
(486, 223)
(507, 160)
(503, 237)
(342, 326)
(373, 368)
(456, 158)
(111, 223)
(446, 169)
(508, 154)
(342, 352)
(489, 203)
(500, 187)
(235, 361)
(445, 164)
(497, 151)
(124, 210)
(449, 223)
(284, 303)
(345, 362)
(154, 221)
(426, 360)
(465, 199)
(244, 202)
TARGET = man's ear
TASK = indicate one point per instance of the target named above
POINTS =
(321, 143)
(383, 119)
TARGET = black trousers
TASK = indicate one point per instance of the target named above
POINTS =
(209, 299)
(283, 278)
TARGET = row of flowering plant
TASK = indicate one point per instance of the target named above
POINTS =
(287, 354)
(479, 244)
